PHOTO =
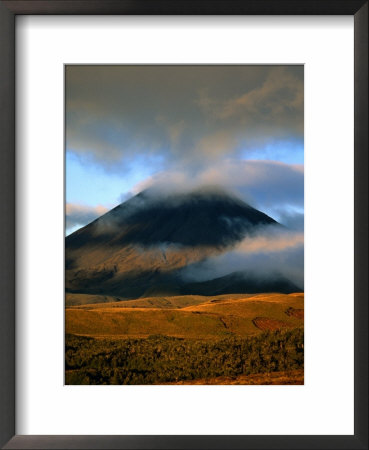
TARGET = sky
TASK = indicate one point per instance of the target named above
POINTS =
(130, 127)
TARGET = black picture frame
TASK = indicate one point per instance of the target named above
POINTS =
(8, 12)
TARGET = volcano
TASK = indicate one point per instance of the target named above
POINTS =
(141, 247)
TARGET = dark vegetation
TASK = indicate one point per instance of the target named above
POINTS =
(162, 359)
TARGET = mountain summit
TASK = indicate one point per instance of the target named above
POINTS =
(141, 245)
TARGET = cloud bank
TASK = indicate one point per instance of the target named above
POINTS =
(274, 251)
(179, 116)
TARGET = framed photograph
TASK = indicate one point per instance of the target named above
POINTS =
(195, 273)
(184, 225)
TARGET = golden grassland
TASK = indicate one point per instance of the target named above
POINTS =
(171, 302)
(191, 316)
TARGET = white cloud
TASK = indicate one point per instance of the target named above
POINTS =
(266, 185)
(272, 251)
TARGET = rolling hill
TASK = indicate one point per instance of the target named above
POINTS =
(193, 317)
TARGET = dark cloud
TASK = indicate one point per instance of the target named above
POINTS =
(177, 116)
